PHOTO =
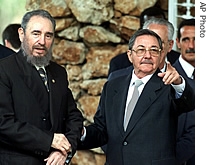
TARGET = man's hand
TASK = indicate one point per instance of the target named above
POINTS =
(61, 143)
(171, 75)
(56, 158)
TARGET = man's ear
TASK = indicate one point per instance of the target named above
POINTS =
(171, 43)
(178, 43)
(21, 33)
(129, 54)
(8, 44)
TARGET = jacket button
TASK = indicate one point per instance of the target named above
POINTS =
(125, 143)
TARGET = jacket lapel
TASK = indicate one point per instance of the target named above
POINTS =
(181, 71)
(31, 77)
(119, 100)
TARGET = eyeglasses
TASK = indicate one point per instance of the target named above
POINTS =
(142, 51)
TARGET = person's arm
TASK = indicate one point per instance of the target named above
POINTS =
(185, 146)
(179, 89)
(95, 135)
(74, 123)
(184, 94)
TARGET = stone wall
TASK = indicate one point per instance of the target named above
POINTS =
(89, 33)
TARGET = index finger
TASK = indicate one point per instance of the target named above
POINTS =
(168, 67)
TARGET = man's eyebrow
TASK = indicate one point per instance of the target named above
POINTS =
(50, 33)
(153, 46)
(140, 46)
(37, 31)
(185, 38)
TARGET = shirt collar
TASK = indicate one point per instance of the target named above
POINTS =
(144, 79)
(37, 67)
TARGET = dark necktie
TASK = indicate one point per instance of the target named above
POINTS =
(132, 103)
(44, 77)
(194, 74)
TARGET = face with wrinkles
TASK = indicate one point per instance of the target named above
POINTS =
(150, 60)
(37, 40)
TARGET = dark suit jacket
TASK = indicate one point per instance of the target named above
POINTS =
(4, 51)
(24, 99)
(172, 56)
(186, 128)
(150, 137)
(121, 61)
(120, 72)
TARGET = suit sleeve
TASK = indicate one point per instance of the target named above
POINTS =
(186, 102)
(74, 123)
(96, 133)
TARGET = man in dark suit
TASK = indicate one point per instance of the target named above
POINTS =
(149, 137)
(4, 51)
(39, 121)
(121, 61)
(186, 124)
(185, 65)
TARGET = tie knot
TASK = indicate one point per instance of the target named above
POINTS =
(41, 71)
(138, 83)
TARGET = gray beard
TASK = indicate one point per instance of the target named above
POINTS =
(38, 61)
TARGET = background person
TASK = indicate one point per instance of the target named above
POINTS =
(4, 51)
(10, 37)
(185, 65)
